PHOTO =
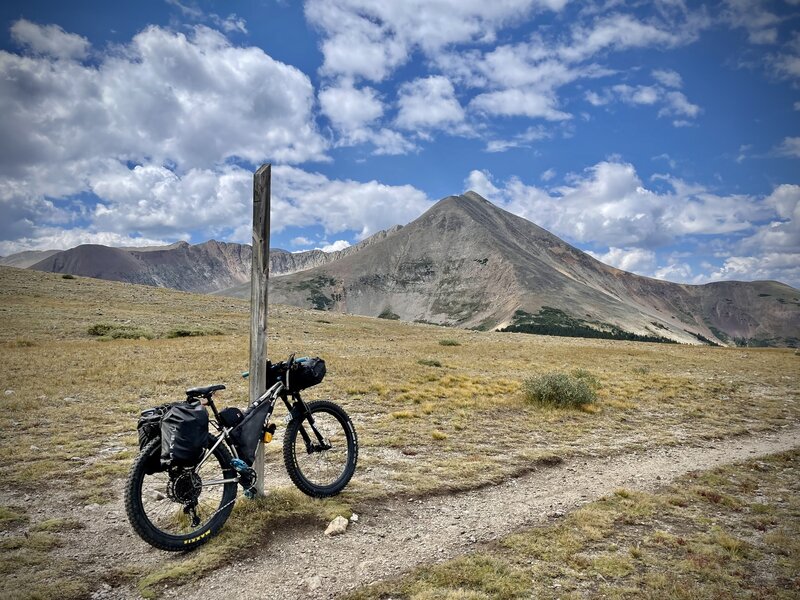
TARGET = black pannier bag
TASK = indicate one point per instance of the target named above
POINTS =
(305, 373)
(149, 429)
(184, 434)
(247, 434)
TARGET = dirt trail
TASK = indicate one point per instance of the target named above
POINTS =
(403, 533)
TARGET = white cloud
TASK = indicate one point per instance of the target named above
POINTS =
(668, 78)
(547, 175)
(677, 272)
(519, 102)
(301, 241)
(520, 140)
(230, 24)
(621, 32)
(300, 198)
(634, 260)
(609, 205)
(49, 40)
(70, 127)
(156, 99)
(751, 15)
(371, 39)
(350, 108)
(679, 105)
(672, 103)
(789, 147)
(336, 246)
(428, 102)
(797, 105)
(771, 266)
(782, 232)
(643, 94)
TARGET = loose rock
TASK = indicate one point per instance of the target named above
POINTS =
(337, 527)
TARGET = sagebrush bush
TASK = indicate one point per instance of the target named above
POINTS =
(561, 389)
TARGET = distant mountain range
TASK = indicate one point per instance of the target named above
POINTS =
(203, 268)
(465, 263)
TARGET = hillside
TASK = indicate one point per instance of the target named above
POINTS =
(470, 264)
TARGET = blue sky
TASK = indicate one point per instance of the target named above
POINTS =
(663, 137)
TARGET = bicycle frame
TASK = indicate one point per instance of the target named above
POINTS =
(297, 409)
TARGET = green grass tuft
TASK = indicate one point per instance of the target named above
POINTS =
(449, 343)
(561, 389)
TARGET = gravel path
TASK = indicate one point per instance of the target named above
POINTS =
(403, 533)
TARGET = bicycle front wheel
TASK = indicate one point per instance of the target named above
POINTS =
(321, 467)
(179, 510)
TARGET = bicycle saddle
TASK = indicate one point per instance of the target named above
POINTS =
(204, 391)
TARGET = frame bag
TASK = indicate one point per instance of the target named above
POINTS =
(249, 432)
(184, 434)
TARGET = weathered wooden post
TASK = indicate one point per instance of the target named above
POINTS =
(259, 288)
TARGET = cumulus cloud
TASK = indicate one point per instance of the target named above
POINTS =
(609, 205)
(350, 108)
(159, 204)
(790, 146)
(519, 102)
(371, 39)
(156, 99)
(49, 40)
(133, 128)
(428, 102)
(672, 103)
(668, 78)
(520, 140)
(364, 207)
(774, 266)
(336, 246)
(634, 260)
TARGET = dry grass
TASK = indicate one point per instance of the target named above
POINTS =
(72, 400)
(640, 546)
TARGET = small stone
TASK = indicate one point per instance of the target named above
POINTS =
(337, 527)
(93, 506)
(556, 514)
(354, 518)
(9, 392)
(35, 448)
(313, 583)
(158, 496)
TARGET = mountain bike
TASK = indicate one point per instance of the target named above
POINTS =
(181, 507)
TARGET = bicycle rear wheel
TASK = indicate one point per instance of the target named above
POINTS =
(183, 509)
(321, 468)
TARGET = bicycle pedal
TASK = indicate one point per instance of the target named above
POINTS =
(250, 493)
(239, 465)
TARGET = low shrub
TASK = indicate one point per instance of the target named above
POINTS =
(116, 331)
(179, 332)
(449, 343)
(425, 362)
(561, 389)
(67, 276)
